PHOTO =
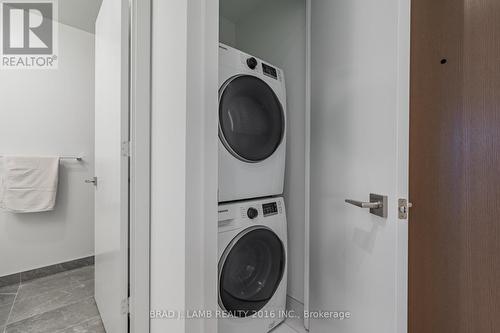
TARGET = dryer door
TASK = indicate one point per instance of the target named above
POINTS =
(251, 118)
(250, 271)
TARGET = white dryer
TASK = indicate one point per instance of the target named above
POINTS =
(252, 126)
(252, 265)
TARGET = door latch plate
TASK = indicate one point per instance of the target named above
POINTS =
(403, 207)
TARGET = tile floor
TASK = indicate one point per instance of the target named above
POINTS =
(283, 328)
(59, 303)
(64, 303)
(296, 326)
(291, 325)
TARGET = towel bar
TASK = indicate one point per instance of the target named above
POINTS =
(78, 158)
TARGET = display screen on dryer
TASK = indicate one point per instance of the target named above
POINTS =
(270, 208)
(269, 71)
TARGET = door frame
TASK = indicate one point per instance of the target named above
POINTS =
(199, 20)
(403, 103)
(140, 164)
(307, 169)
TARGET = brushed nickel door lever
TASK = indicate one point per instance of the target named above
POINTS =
(377, 204)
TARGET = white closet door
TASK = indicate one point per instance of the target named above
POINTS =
(359, 145)
(111, 165)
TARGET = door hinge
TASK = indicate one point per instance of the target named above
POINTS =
(126, 148)
(92, 180)
(403, 207)
(125, 306)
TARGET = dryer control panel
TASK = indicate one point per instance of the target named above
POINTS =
(269, 71)
(256, 65)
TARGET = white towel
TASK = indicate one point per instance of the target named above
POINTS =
(29, 184)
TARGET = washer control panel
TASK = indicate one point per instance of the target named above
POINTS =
(266, 209)
(270, 208)
(252, 213)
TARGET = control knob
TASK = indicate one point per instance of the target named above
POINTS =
(252, 63)
(252, 213)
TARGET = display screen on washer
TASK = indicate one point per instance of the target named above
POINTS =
(270, 208)
(269, 71)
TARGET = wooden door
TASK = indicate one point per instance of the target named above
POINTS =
(454, 226)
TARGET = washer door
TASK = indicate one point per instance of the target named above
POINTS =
(251, 118)
(250, 271)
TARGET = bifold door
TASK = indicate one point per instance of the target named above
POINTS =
(359, 112)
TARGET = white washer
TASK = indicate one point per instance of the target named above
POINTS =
(252, 265)
(252, 126)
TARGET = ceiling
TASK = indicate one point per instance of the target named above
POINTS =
(235, 10)
(80, 14)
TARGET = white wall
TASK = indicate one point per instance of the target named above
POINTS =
(184, 163)
(51, 112)
(201, 163)
(227, 31)
(276, 31)
(168, 162)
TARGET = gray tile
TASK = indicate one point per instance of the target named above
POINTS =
(56, 281)
(6, 301)
(296, 324)
(49, 293)
(283, 328)
(57, 320)
(9, 280)
(10, 289)
(57, 268)
(93, 325)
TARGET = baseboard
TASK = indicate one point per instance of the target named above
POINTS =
(298, 309)
(36, 273)
(293, 304)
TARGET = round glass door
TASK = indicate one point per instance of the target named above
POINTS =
(250, 271)
(251, 118)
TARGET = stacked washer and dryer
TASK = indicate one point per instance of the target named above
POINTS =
(252, 220)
